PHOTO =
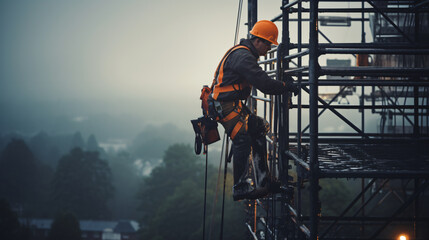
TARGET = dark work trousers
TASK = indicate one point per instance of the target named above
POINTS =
(249, 146)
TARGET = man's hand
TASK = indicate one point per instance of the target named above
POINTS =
(291, 86)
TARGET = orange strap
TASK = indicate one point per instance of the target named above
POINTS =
(233, 114)
(230, 116)
(236, 129)
(217, 88)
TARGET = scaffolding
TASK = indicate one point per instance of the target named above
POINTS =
(390, 89)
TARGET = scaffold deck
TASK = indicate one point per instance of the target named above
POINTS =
(409, 160)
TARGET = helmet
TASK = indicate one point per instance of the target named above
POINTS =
(266, 30)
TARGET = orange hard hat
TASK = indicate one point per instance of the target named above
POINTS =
(266, 30)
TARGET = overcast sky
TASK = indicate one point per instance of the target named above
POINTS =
(156, 54)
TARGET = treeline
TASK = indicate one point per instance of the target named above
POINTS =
(172, 200)
(48, 149)
(93, 185)
(81, 183)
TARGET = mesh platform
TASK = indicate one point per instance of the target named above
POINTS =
(374, 160)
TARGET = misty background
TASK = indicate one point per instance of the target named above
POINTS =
(108, 68)
(113, 68)
(123, 78)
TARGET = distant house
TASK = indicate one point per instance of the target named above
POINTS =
(91, 230)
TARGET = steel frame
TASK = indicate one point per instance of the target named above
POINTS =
(313, 155)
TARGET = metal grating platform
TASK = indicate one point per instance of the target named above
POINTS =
(374, 160)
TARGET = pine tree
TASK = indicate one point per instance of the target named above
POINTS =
(83, 184)
(65, 227)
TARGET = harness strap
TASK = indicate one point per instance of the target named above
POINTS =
(236, 129)
(217, 89)
(238, 108)
(233, 114)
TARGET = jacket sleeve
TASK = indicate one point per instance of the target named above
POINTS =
(245, 64)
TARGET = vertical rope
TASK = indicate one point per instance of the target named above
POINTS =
(237, 25)
(217, 186)
(205, 192)
(224, 183)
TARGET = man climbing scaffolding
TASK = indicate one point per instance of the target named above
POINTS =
(237, 72)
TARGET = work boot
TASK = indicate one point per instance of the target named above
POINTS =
(259, 158)
(243, 190)
(246, 190)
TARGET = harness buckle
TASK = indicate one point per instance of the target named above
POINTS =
(218, 109)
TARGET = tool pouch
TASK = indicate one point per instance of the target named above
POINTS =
(205, 132)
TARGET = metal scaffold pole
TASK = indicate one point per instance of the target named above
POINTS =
(313, 80)
(252, 18)
(374, 143)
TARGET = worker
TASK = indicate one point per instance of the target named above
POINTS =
(237, 72)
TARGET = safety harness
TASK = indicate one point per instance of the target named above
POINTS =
(218, 89)
(218, 77)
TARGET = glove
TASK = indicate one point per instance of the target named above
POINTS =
(292, 87)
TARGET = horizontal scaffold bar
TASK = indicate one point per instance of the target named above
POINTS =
(364, 10)
(366, 45)
(291, 4)
(375, 219)
(370, 107)
(298, 160)
(391, 1)
(307, 19)
(374, 82)
(355, 140)
(267, 61)
(373, 51)
(399, 174)
(296, 55)
(292, 71)
(374, 71)
(261, 98)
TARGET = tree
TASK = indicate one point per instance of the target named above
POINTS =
(173, 196)
(92, 144)
(9, 224)
(178, 164)
(77, 141)
(126, 181)
(24, 180)
(18, 174)
(65, 227)
(10, 227)
(335, 196)
(82, 184)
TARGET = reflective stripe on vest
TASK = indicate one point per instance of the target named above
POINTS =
(217, 89)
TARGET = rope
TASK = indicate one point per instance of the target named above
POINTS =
(224, 183)
(237, 25)
(237, 29)
(217, 187)
(205, 192)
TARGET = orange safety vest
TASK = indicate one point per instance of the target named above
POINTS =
(217, 89)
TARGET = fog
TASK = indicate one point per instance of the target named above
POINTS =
(137, 62)
(114, 67)
(108, 75)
